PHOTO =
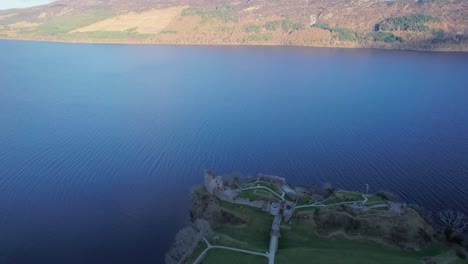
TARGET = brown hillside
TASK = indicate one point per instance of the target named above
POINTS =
(408, 24)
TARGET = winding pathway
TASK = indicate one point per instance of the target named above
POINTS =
(209, 246)
(266, 188)
(317, 204)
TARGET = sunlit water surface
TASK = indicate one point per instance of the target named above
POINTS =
(100, 144)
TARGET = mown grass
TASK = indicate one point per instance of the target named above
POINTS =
(254, 235)
(216, 256)
(271, 186)
(352, 195)
(459, 261)
(300, 244)
(374, 199)
(331, 200)
(258, 194)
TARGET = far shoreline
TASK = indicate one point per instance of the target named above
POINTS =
(130, 43)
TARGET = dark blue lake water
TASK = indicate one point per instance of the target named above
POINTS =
(100, 144)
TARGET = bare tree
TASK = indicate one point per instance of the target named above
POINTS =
(456, 221)
(183, 245)
(203, 227)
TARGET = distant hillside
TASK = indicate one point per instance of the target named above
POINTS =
(398, 24)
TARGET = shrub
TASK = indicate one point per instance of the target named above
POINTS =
(345, 34)
(460, 253)
(457, 239)
(226, 13)
(448, 232)
(260, 37)
(253, 28)
(273, 25)
(328, 190)
(386, 37)
(352, 225)
(323, 26)
(316, 214)
(387, 196)
(289, 25)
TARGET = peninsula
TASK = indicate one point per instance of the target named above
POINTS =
(267, 220)
(396, 24)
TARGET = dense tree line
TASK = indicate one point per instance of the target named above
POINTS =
(386, 37)
(414, 22)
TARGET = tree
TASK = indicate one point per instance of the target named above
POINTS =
(204, 227)
(451, 220)
(328, 190)
(184, 244)
(273, 25)
(289, 25)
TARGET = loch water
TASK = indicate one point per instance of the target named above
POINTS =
(101, 144)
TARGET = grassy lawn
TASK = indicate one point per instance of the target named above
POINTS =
(459, 261)
(374, 199)
(299, 244)
(258, 194)
(353, 195)
(216, 255)
(331, 200)
(254, 235)
(345, 256)
(308, 209)
(272, 186)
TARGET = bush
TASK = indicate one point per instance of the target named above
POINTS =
(387, 196)
(345, 34)
(328, 190)
(289, 25)
(260, 37)
(457, 239)
(448, 232)
(225, 13)
(323, 26)
(352, 225)
(317, 214)
(386, 37)
(460, 253)
(273, 25)
(253, 28)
